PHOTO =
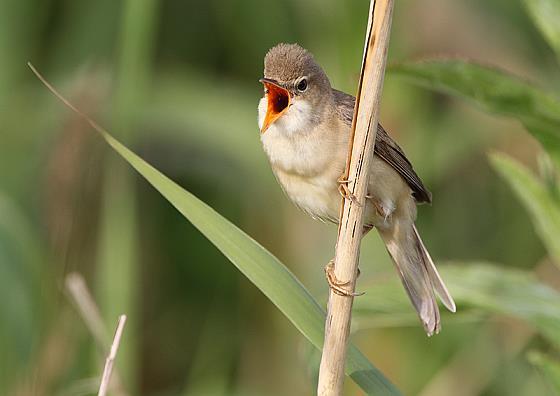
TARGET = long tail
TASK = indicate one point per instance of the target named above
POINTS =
(418, 274)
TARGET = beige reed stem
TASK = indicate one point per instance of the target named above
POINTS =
(364, 128)
(110, 361)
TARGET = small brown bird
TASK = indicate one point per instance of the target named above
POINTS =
(305, 127)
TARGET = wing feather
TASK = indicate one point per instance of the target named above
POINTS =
(386, 148)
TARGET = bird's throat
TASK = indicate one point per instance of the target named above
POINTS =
(278, 101)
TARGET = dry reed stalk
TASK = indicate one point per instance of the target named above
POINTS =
(108, 370)
(88, 310)
(78, 291)
(364, 128)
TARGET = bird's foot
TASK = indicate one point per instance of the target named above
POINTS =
(344, 190)
(336, 285)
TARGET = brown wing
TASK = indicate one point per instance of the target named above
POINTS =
(386, 148)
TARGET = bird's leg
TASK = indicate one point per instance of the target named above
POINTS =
(344, 190)
(381, 211)
(336, 285)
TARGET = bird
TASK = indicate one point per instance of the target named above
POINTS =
(305, 127)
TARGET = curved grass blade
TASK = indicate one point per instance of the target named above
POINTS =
(495, 91)
(541, 203)
(485, 287)
(263, 269)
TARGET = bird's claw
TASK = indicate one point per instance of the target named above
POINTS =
(344, 190)
(336, 285)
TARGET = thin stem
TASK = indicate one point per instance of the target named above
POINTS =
(108, 370)
(88, 310)
(364, 128)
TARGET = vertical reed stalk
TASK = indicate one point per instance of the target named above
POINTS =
(364, 128)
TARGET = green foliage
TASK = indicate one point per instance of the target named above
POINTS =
(541, 201)
(548, 366)
(260, 266)
(494, 91)
(487, 288)
(545, 15)
(499, 92)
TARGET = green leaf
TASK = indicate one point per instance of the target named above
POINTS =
(539, 200)
(494, 91)
(485, 287)
(261, 267)
(548, 366)
(546, 16)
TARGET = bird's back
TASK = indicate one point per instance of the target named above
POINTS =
(386, 148)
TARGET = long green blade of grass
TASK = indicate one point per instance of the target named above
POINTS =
(260, 266)
(541, 203)
(494, 91)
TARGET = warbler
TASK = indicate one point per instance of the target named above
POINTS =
(305, 127)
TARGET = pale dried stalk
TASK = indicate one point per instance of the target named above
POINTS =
(76, 287)
(364, 128)
(106, 378)
(78, 290)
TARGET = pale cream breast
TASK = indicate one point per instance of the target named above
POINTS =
(318, 195)
(294, 144)
(307, 159)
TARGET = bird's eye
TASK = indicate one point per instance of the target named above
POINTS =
(302, 85)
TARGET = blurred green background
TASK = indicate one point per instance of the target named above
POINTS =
(177, 82)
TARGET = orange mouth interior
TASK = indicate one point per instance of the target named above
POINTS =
(278, 101)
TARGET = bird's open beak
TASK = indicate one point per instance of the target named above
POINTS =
(278, 99)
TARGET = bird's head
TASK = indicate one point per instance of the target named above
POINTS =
(296, 88)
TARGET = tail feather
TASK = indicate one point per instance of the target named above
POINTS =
(434, 275)
(418, 275)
